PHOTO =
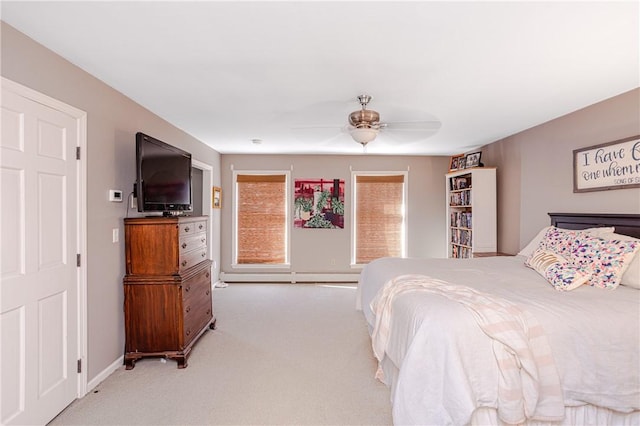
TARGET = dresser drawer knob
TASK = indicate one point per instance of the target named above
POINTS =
(186, 229)
(184, 245)
(188, 332)
(208, 311)
(184, 263)
(203, 240)
(207, 275)
(208, 292)
(203, 254)
(188, 309)
(187, 289)
(200, 226)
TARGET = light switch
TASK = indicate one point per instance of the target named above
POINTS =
(115, 235)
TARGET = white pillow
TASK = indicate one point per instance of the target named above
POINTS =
(533, 244)
(631, 275)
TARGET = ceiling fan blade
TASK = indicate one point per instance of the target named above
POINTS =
(411, 125)
(404, 137)
(331, 113)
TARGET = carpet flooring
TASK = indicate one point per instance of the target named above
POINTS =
(282, 354)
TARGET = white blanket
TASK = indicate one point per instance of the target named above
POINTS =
(440, 363)
(529, 387)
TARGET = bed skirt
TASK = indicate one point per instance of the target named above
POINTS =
(584, 415)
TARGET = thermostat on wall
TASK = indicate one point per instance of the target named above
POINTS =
(115, 195)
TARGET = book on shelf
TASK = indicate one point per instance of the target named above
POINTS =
(461, 219)
(462, 198)
(461, 252)
(460, 182)
(461, 237)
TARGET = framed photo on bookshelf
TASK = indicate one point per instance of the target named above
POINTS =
(462, 163)
(454, 163)
(473, 159)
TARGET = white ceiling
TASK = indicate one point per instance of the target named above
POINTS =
(288, 73)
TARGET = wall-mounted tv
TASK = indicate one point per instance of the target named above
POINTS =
(163, 180)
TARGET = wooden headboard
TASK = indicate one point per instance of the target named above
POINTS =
(627, 224)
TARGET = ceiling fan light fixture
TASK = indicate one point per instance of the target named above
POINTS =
(364, 117)
(364, 135)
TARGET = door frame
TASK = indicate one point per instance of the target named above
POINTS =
(81, 211)
(207, 184)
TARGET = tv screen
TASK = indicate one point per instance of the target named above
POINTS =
(163, 176)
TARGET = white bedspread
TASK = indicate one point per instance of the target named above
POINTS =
(446, 369)
(528, 384)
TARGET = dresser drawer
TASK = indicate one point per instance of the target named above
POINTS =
(192, 242)
(197, 286)
(196, 320)
(190, 228)
(192, 258)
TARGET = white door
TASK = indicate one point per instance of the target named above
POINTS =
(40, 278)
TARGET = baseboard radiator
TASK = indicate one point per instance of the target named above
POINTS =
(288, 277)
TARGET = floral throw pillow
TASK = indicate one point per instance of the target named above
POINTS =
(605, 259)
(561, 274)
(561, 241)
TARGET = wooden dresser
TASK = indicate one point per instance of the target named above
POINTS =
(167, 287)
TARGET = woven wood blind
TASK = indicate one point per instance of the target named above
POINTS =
(379, 217)
(262, 219)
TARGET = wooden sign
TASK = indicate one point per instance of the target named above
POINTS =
(612, 165)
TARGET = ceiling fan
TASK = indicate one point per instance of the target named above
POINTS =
(365, 125)
(322, 121)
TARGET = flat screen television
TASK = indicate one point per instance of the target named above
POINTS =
(163, 181)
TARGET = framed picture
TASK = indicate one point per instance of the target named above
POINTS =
(462, 163)
(454, 163)
(610, 165)
(216, 199)
(473, 159)
(318, 203)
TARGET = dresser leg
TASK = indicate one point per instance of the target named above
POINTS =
(212, 326)
(182, 361)
(129, 363)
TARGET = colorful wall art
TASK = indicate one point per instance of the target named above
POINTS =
(318, 203)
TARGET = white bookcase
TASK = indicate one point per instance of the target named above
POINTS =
(471, 212)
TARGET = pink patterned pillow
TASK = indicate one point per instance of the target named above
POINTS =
(605, 259)
(561, 241)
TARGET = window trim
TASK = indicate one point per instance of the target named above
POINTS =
(405, 212)
(234, 226)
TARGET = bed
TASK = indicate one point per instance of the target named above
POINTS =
(444, 365)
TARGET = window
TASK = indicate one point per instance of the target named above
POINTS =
(261, 218)
(379, 229)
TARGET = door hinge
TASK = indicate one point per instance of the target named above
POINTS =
(79, 366)
(78, 260)
(77, 152)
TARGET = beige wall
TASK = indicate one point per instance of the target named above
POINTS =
(535, 169)
(315, 250)
(112, 121)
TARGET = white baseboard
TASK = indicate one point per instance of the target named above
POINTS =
(288, 277)
(105, 373)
